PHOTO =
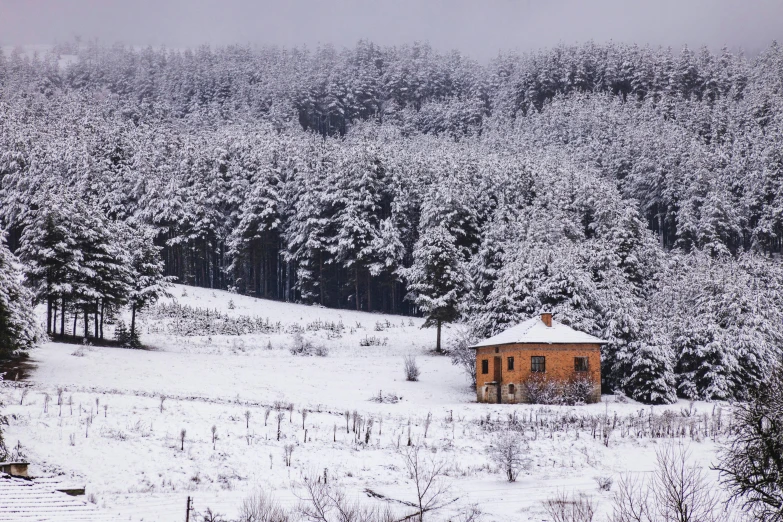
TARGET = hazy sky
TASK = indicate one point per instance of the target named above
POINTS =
(478, 28)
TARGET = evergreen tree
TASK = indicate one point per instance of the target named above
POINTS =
(18, 327)
(437, 280)
(148, 284)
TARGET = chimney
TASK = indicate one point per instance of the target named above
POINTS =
(546, 318)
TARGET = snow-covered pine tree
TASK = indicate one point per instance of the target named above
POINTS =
(438, 278)
(18, 326)
(50, 251)
(647, 371)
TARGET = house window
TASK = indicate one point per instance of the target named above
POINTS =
(485, 366)
(537, 364)
(580, 364)
(511, 389)
(510, 364)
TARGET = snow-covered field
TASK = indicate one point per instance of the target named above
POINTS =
(118, 427)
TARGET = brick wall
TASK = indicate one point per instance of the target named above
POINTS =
(559, 367)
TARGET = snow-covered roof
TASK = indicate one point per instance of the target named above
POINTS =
(22, 499)
(535, 331)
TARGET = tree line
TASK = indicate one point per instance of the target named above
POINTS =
(633, 191)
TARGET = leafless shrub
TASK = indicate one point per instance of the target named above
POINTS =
(429, 480)
(25, 391)
(508, 454)
(280, 417)
(325, 502)
(162, 400)
(288, 451)
(604, 483)
(462, 354)
(411, 368)
(210, 516)
(261, 507)
(427, 423)
(538, 389)
(579, 390)
(214, 436)
(267, 411)
(570, 508)
(470, 513)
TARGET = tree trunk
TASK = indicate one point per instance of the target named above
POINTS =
(437, 343)
(86, 321)
(75, 319)
(133, 320)
(369, 291)
(97, 325)
(356, 288)
(48, 315)
(103, 309)
(62, 318)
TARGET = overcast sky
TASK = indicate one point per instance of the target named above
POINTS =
(479, 28)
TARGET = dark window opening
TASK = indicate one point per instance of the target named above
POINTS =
(485, 366)
(511, 389)
(497, 350)
(510, 364)
(538, 364)
(581, 364)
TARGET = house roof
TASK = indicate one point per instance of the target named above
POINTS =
(24, 500)
(535, 331)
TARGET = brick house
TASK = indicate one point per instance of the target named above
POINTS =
(541, 348)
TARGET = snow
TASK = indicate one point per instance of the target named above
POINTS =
(534, 330)
(22, 500)
(118, 441)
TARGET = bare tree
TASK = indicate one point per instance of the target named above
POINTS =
(681, 490)
(507, 453)
(428, 475)
(631, 501)
(751, 463)
(325, 502)
(678, 492)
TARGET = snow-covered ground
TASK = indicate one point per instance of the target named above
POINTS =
(118, 428)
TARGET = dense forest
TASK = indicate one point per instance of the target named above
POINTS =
(634, 191)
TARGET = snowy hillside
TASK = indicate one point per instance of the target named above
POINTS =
(118, 425)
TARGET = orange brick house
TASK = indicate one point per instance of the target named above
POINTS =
(538, 347)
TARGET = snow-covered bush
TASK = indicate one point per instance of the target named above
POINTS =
(579, 390)
(538, 389)
(508, 454)
(461, 353)
(303, 346)
(411, 368)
